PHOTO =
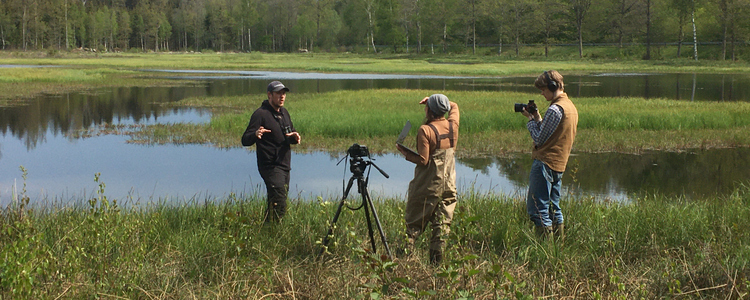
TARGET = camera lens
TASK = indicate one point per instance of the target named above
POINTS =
(519, 107)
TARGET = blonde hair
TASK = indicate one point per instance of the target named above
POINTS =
(542, 81)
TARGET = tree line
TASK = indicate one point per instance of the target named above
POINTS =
(403, 26)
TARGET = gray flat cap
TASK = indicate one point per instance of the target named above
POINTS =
(439, 104)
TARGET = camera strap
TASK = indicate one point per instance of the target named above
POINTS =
(279, 119)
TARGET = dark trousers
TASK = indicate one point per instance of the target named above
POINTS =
(277, 186)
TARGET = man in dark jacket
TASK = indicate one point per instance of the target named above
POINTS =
(272, 131)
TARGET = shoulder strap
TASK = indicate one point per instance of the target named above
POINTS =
(440, 137)
(437, 136)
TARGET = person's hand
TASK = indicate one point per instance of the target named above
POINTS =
(259, 133)
(295, 135)
(525, 113)
(535, 116)
(424, 101)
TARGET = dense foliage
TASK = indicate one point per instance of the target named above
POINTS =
(638, 28)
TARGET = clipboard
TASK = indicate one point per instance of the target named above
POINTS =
(402, 137)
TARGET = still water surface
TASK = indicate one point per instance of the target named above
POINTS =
(36, 135)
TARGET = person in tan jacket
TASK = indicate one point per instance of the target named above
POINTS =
(553, 139)
(432, 192)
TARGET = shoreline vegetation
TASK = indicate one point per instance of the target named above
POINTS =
(657, 246)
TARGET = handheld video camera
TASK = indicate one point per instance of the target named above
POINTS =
(530, 108)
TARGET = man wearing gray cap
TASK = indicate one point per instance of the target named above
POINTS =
(432, 192)
(272, 131)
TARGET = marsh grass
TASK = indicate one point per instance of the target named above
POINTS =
(333, 121)
(654, 247)
(454, 64)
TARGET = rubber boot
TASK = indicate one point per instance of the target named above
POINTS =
(436, 256)
(559, 231)
(543, 231)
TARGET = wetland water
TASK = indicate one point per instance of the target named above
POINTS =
(61, 167)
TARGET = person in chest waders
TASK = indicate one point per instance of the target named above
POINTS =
(432, 192)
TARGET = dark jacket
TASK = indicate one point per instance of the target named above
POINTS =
(273, 148)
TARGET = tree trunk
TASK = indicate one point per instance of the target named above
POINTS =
(473, 27)
(156, 39)
(680, 36)
(724, 16)
(23, 27)
(733, 38)
(419, 37)
(445, 37)
(67, 44)
(695, 35)
(580, 42)
(500, 42)
(724, 43)
(368, 10)
(648, 30)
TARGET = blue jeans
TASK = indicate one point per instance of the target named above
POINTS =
(543, 199)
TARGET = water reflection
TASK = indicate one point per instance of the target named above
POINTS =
(35, 135)
(695, 174)
(701, 87)
(64, 170)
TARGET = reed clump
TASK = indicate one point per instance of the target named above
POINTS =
(654, 247)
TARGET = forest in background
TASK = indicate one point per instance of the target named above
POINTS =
(484, 27)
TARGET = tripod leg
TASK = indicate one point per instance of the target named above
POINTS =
(366, 196)
(336, 216)
(363, 192)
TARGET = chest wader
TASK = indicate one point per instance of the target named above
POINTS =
(432, 196)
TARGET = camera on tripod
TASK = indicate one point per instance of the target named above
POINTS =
(358, 166)
(358, 150)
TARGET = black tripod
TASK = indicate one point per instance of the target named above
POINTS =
(358, 166)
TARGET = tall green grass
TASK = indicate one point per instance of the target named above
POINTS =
(655, 247)
(488, 124)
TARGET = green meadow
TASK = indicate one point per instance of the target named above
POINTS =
(654, 247)
(333, 121)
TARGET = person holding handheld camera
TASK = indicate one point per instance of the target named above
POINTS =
(272, 131)
(432, 192)
(553, 139)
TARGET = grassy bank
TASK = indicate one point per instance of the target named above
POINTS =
(333, 121)
(459, 65)
(17, 84)
(656, 247)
